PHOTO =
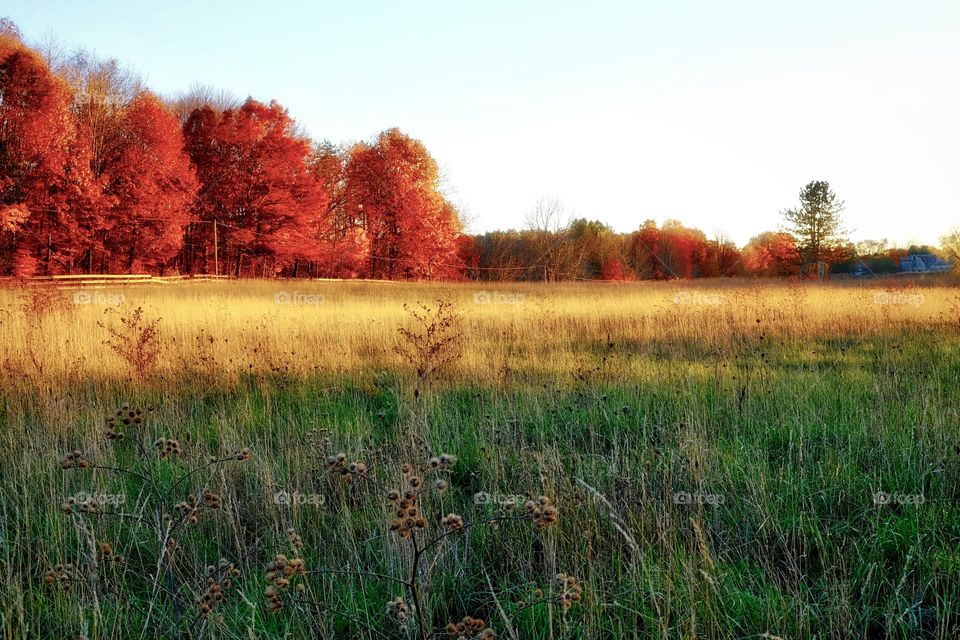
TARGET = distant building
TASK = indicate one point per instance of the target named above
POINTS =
(862, 270)
(924, 263)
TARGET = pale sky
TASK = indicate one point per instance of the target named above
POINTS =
(714, 113)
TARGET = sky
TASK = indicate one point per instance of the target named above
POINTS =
(712, 113)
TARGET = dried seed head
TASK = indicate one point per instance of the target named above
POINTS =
(545, 514)
(358, 468)
(398, 610)
(295, 540)
(469, 629)
(74, 460)
(452, 522)
(448, 460)
(570, 590)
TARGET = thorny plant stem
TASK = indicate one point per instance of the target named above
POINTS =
(349, 572)
(124, 516)
(164, 562)
(133, 474)
(201, 467)
(413, 583)
(321, 608)
(418, 552)
(414, 586)
(468, 525)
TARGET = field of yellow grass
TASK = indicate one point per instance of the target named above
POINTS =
(728, 459)
(335, 328)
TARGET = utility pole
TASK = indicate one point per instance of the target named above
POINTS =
(216, 250)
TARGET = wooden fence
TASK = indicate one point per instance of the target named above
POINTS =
(94, 280)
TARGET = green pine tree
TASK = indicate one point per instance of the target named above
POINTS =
(816, 223)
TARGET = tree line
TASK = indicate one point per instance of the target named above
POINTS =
(811, 242)
(100, 175)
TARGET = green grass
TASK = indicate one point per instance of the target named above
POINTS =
(793, 434)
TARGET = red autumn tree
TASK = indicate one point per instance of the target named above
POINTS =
(772, 253)
(643, 252)
(344, 242)
(469, 255)
(101, 91)
(45, 184)
(256, 184)
(672, 251)
(393, 189)
(612, 269)
(683, 250)
(151, 182)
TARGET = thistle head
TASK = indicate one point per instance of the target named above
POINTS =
(398, 610)
(543, 512)
(74, 460)
(570, 590)
(469, 629)
(294, 539)
(452, 522)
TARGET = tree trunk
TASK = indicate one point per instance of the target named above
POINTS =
(130, 256)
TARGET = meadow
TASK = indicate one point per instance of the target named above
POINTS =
(720, 459)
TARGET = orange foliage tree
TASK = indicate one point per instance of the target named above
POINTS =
(393, 193)
(152, 185)
(256, 184)
(45, 185)
(772, 253)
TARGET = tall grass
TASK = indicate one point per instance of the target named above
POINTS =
(728, 459)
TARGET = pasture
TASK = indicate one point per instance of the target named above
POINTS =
(735, 459)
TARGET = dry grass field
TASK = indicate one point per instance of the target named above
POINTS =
(736, 459)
